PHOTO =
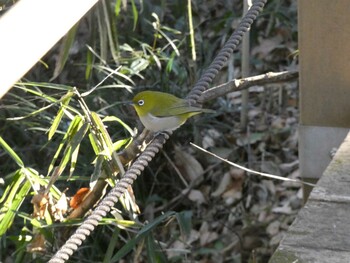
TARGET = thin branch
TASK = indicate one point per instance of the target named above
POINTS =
(252, 171)
(245, 83)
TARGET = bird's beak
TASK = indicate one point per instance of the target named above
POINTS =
(128, 103)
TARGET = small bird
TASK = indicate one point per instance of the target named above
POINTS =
(159, 111)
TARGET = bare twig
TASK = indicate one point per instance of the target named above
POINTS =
(245, 83)
(252, 171)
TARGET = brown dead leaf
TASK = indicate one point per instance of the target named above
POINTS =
(189, 167)
(210, 138)
(294, 175)
(278, 123)
(270, 168)
(177, 249)
(270, 186)
(219, 151)
(266, 46)
(40, 203)
(37, 244)
(181, 247)
(275, 240)
(246, 139)
(285, 209)
(195, 196)
(273, 228)
(206, 236)
(192, 237)
(288, 167)
(60, 208)
(225, 181)
(231, 196)
(254, 113)
(78, 197)
(230, 185)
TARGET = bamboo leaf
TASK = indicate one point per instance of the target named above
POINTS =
(14, 200)
(75, 144)
(64, 51)
(135, 13)
(11, 152)
(112, 244)
(34, 176)
(73, 127)
(141, 234)
(117, 7)
(119, 144)
(89, 64)
(105, 140)
(185, 221)
(150, 248)
(58, 118)
(114, 118)
(76, 137)
(154, 252)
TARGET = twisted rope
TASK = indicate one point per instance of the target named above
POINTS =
(85, 229)
(226, 51)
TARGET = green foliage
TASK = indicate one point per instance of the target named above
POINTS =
(12, 199)
(76, 135)
(59, 137)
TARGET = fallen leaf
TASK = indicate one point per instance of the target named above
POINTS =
(206, 236)
(189, 167)
(195, 196)
(286, 210)
(273, 228)
(78, 198)
(275, 240)
(224, 182)
(266, 46)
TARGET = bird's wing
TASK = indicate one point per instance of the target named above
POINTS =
(179, 108)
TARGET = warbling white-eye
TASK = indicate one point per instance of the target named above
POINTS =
(159, 111)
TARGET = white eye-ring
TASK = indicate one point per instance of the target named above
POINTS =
(141, 102)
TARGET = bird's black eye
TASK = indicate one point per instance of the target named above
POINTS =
(141, 102)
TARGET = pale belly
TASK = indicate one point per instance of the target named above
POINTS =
(157, 124)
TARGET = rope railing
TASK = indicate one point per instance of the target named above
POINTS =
(89, 224)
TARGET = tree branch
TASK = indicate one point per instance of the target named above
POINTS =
(242, 84)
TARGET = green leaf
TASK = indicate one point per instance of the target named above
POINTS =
(138, 65)
(113, 118)
(64, 51)
(89, 64)
(135, 13)
(35, 178)
(169, 65)
(154, 252)
(108, 22)
(105, 142)
(11, 152)
(17, 194)
(94, 143)
(141, 234)
(52, 101)
(111, 246)
(72, 146)
(185, 221)
(117, 7)
(75, 145)
(65, 101)
(47, 85)
(72, 129)
(119, 144)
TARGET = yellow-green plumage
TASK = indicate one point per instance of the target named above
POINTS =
(159, 111)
